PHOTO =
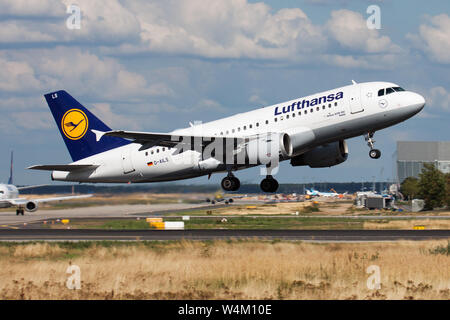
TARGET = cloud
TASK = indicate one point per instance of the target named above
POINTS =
(17, 76)
(45, 70)
(32, 8)
(220, 30)
(438, 97)
(350, 30)
(101, 24)
(434, 38)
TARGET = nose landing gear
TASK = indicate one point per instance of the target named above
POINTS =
(373, 153)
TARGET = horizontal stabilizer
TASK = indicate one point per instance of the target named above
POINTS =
(63, 167)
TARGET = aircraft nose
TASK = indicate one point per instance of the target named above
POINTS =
(417, 102)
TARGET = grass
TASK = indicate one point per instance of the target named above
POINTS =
(239, 222)
(225, 270)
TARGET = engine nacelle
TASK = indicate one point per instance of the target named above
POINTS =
(31, 206)
(327, 155)
(266, 148)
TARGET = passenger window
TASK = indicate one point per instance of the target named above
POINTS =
(221, 133)
(335, 104)
(293, 115)
(152, 152)
(232, 131)
(275, 119)
(306, 111)
(389, 91)
(299, 113)
(239, 129)
(228, 132)
(146, 153)
(257, 124)
(312, 110)
(329, 105)
(164, 149)
(157, 150)
(287, 116)
(267, 121)
(381, 92)
(250, 126)
(323, 107)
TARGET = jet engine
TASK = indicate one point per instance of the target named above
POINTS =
(267, 147)
(31, 206)
(326, 155)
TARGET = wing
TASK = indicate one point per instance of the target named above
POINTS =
(22, 201)
(14, 202)
(31, 187)
(62, 198)
(150, 139)
(63, 167)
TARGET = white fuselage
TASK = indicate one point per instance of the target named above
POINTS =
(7, 191)
(360, 110)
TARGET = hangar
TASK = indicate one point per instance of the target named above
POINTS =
(411, 156)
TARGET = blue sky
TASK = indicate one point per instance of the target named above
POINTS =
(156, 65)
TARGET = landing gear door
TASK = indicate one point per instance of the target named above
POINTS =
(127, 165)
(355, 99)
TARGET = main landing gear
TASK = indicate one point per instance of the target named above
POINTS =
(373, 153)
(19, 211)
(269, 184)
(230, 183)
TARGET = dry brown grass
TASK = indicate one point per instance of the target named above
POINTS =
(429, 224)
(226, 270)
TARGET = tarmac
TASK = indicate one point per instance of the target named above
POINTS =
(218, 234)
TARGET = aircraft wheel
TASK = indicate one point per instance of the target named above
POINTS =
(236, 184)
(269, 185)
(227, 183)
(375, 153)
(230, 184)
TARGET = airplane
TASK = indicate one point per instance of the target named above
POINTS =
(219, 196)
(314, 193)
(9, 196)
(308, 131)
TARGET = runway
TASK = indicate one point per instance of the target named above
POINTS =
(216, 234)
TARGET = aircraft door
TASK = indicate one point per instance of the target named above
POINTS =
(127, 164)
(355, 99)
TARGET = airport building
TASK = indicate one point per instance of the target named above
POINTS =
(411, 155)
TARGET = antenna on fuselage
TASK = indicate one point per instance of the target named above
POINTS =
(354, 82)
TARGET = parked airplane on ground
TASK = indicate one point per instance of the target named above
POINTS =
(307, 131)
(315, 193)
(9, 196)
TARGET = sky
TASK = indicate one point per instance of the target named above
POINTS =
(158, 65)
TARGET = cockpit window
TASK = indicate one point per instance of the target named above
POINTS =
(389, 91)
(2, 192)
(381, 92)
(398, 89)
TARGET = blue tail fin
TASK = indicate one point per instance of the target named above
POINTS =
(75, 123)
(10, 180)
